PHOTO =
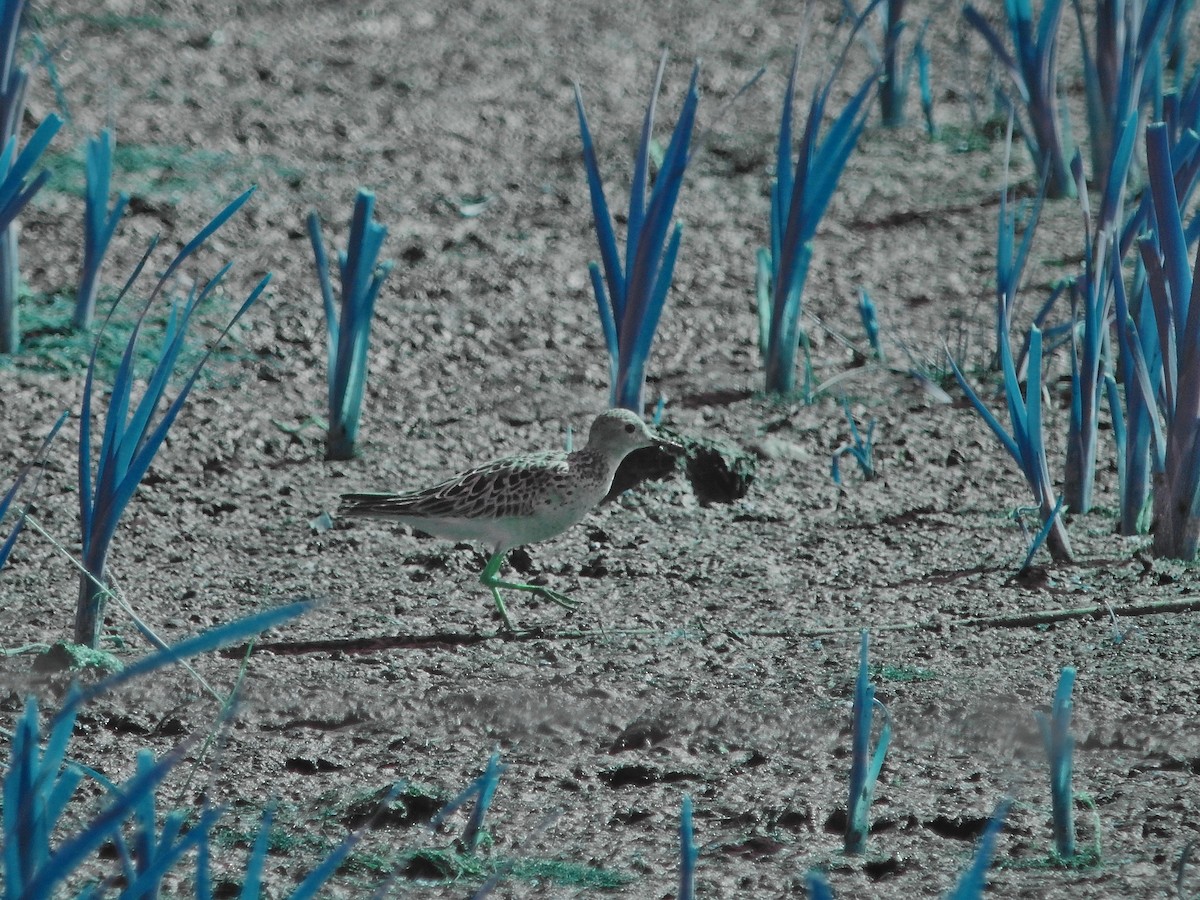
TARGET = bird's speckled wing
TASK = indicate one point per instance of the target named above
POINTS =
(511, 487)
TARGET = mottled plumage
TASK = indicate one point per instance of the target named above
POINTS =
(516, 500)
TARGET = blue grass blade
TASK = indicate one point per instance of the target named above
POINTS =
(800, 196)
(783, 153)
(1095, 107)
(149, 446)
(785, 248)
(21, 841)
(132, 432)
(358, 259)
(252, 883)
(131, 427)
(166, 853)
(870, 321)
(11, 541)
(118, 405)
(992, 422)
(10, 151)
(35, 146)
(834, 151)
(1060, 747)
(10, 18)
(1120, 429)
(787, 339)
(1164, 317)
(762, 293)
(643, 272)
(117, 408)
(1047, 25)
(84, 457)
(1005, 241)
(315, 880)
(974, 880)
(1118, 173)
(817, 887)
(482, 789)
(798, 229)
(1015, 268)
(14, 192)
(634, 366)
(641, 169)
(487, 784)
(924, 86)
(614, 272)
(203, 882)
(1155, 19)
(362, 277)
(1135, 428)
(6, 501)
(205, 642)
(321, 259)
(1016, 401)
(865, 765)
(1189, 377)
(1035, 449)
(1170, 234)
(381, 273)
(26, 844)
(881, 745)
(100, 223)
(205, 233)
(142, 816)
(1044, 532)
(994, 42)
(670, 176)
(687, 852)
(609, 327)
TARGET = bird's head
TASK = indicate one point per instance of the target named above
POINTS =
(618, 432)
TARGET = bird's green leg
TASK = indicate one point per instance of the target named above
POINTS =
(503, 610)
(491, 579)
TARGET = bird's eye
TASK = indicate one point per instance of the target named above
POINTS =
(629, 429)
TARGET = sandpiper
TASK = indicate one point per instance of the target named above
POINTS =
(517, 500)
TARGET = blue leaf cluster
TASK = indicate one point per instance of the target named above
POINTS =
(1032, 68)
(800, 195)
(865, 764)
(40, 782)
(630, 293)
(349, 321)
(1026, 443)
(481, 790)
(132, 432)
(1163, 394)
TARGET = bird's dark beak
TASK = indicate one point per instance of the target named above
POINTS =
(668, 446)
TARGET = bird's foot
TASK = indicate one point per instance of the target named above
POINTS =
(567, 603)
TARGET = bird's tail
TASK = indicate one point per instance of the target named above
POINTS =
(381, 506)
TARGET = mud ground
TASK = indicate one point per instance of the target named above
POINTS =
(716, 651)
